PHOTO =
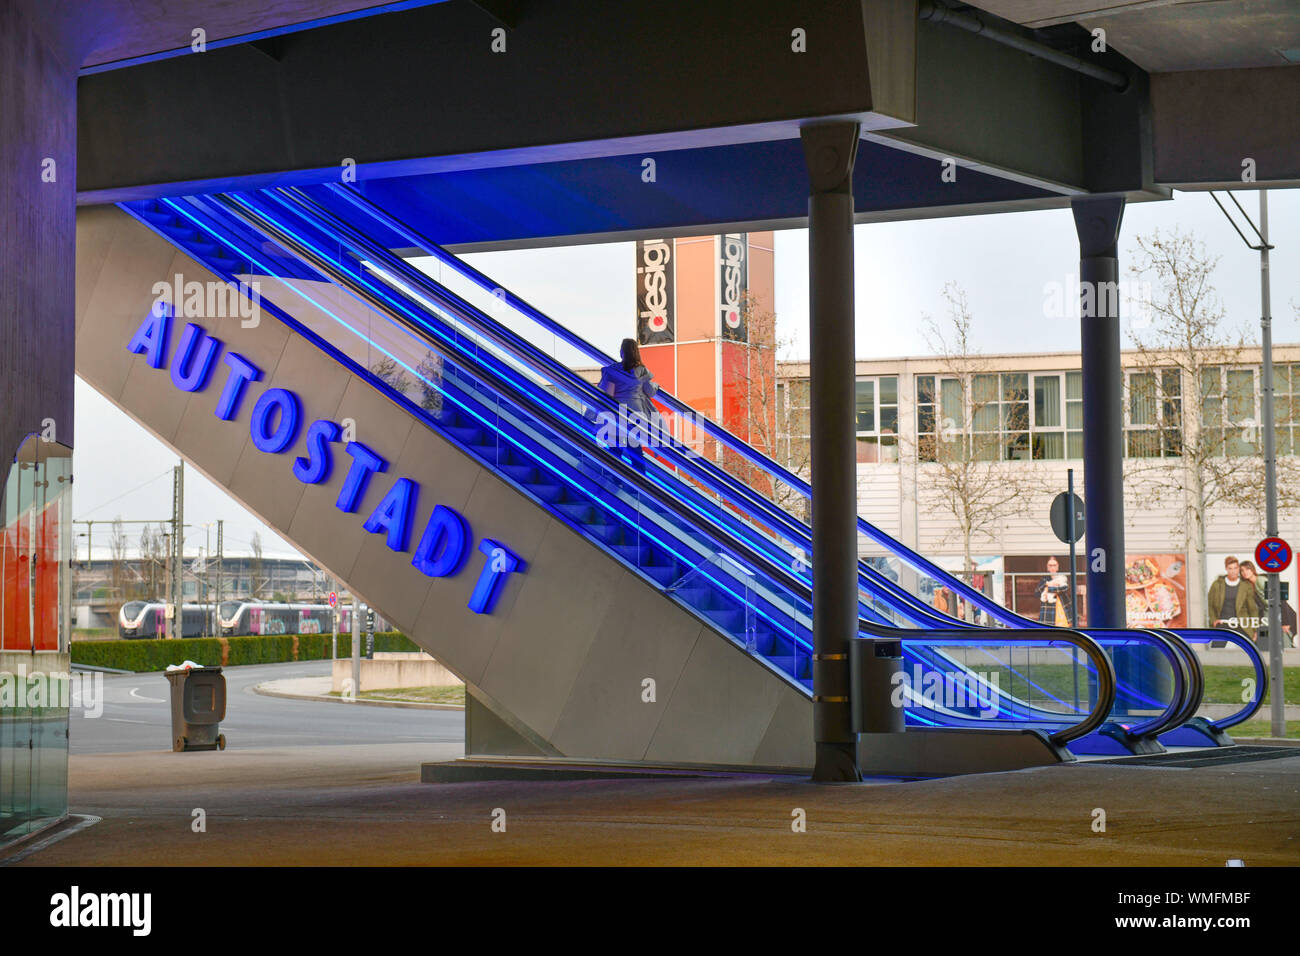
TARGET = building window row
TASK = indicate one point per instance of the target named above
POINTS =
(1038, 416)
(1004, 416)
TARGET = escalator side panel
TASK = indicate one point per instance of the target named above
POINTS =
(567, 649)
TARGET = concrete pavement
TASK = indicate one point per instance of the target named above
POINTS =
(136, 715)
(362, 804)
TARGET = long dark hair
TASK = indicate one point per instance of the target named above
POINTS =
(631, 353)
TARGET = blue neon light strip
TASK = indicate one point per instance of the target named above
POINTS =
(718, 432)
(384, 350)
(1054, 719)
(252, 257)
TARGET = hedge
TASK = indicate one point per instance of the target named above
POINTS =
(156, 655)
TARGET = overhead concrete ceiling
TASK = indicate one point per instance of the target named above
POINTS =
(1169, 36)
(110, 31)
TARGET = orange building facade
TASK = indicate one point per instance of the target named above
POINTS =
(705, 323)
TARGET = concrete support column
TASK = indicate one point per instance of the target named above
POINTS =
(1097, 221)
(830, 151)
(38, 181)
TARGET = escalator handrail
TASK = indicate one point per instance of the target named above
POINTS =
(718, 432)
(1173, 651)
(625, 471)
(1079, 640)
(1205, 635)
(1196, 678)
(320, 262)
(716, 479)
(1103, 668)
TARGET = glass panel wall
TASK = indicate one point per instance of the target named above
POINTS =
(35, 685)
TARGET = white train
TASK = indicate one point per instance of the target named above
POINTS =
(145, 619)
(149, 619)
(265, 617)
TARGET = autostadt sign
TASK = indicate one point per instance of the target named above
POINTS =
(275, 424)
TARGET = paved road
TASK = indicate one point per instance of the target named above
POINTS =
(137, 716)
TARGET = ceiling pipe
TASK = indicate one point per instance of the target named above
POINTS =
(937, 13)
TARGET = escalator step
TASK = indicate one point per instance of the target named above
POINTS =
(731, 621)
(609, 533)
(581, 512)
(662, 573)
(632, 553)
(701, 599)
(524, 474)
(469, 436)
(547, 492)
(786, 665)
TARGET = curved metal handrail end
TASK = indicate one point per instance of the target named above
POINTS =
(1106, 680)
(1207, 635)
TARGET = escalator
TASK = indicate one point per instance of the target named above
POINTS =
(466, 360)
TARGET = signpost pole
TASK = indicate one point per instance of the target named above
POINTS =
(334, 619)
(1074, 537)
(1273, 590)
(356, 646)
(1270, 476)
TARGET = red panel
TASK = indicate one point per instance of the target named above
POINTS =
(661, 361)
(46, 609)
(697, 313)
(17, 552)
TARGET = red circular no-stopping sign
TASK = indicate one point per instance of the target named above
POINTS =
(1273, 555)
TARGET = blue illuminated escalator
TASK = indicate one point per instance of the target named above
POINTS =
(692, 530)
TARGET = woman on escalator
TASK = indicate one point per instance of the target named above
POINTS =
(630, 384)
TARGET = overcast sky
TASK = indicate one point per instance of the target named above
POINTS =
(1004, 263)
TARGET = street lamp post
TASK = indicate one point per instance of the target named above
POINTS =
(1274, 593)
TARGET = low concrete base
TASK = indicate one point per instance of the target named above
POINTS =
(931, 752)
(464, 771)
(393, 669)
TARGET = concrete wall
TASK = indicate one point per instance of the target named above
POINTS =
(1208, 121)
(394, 670)
(561, 660)
(37, 239)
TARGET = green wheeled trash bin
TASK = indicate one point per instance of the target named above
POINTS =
(198, 707)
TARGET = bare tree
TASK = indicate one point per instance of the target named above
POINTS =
(118, 572)
(961, 443)
(763, 420)
(1194, 387)
(153, 562)
(387, 370)
(430, 381)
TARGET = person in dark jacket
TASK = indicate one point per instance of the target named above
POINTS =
(1233, 601)
(1249, 573)
(630, 383)
(1053, 593)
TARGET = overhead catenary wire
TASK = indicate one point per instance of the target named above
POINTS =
(142, 485)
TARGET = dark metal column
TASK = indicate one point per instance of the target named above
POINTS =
(1097, 221)
(829, 151)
